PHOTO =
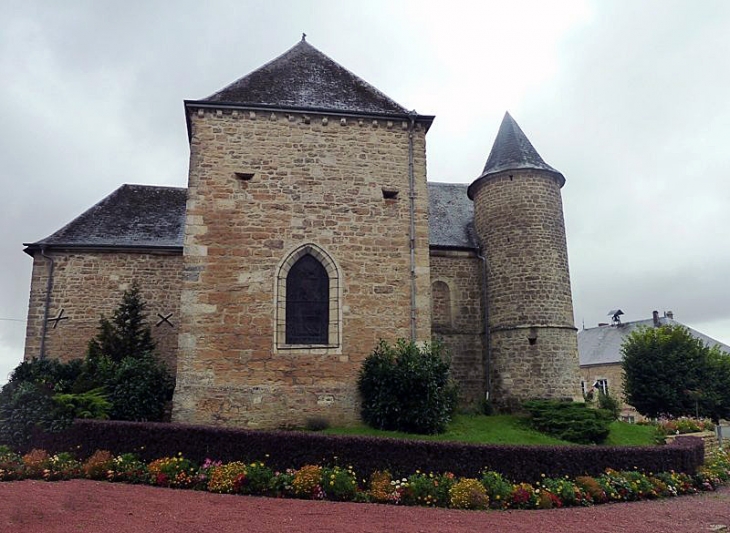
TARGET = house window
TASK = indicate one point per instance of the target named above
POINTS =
(601, 385)
(307, 302)
(583, 388)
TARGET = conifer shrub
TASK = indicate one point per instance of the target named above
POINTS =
(571, 421)
(407, 388)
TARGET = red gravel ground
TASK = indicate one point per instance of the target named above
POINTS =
(91, 507)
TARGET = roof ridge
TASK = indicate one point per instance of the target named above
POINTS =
(304, 77)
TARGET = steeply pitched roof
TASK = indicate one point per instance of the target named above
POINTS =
(602, 345)
(451, 216)
(133, 216)
(512, 150)
(142, 216)
(305, 78)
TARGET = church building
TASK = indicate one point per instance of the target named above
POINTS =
(307, 232)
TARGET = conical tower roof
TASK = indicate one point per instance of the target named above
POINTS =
(512, 150)
(304, 78)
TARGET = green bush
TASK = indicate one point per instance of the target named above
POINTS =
(571, 421)
(407, 388)
(139, 388)
(609, 403)
(26, 407)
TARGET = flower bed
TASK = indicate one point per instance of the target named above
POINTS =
(339, 483)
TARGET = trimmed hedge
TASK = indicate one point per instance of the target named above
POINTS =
(291, 449)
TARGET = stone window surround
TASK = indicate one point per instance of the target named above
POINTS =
(451, 297)
(334, 346)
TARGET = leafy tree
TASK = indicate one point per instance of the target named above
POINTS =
(407, 388)
(126, 334)
(667, 371)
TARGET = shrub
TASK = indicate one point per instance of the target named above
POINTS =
(62, 466)
(468, 493)
(307, 482)
(592, 488)
(89, 404)
(381, 489)
(571, 421)
(139, 388)
(427, 489)
(127, 468)
(609, 403)
(26, 407)
(339, 484)
(498, 489)
(98, 465)
(175, 472)
(35, 462)
(317, 423)
(227, 478)
(367, 454)
(258, 479)
(11, 465)
(407, 388)
(523, 497)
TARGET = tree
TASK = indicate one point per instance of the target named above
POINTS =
(667, 371)
(121, 360)
(126, 334)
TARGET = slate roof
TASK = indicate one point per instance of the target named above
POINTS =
(602, 345)
(512, 150)
(306, 79)
(145, 216)
(133, 216)
(451, 216)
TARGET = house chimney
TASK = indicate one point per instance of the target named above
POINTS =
(669, 314)
(655, 316)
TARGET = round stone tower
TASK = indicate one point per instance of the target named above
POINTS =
(518, 215)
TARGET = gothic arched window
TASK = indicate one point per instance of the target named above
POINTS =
(307, 302)
(308, 296)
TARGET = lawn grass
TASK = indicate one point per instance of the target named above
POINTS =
(624, 434)
(504, 429)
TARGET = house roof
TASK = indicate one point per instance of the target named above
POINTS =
(133, 216)
(451, 216)
(304, 78)
(602, 345)
(512, 150)
(152, 217)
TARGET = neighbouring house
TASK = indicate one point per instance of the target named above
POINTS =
(306, 233)
(600, 355)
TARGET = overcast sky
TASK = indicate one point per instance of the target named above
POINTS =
(629, 100)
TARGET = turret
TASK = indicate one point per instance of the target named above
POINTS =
(518, 217)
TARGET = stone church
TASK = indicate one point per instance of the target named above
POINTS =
(307, 232)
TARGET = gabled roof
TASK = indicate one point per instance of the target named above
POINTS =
(451, 216)
(304, 78)
(512, 150)
(133, 216)
(602, 345)
(150, 217)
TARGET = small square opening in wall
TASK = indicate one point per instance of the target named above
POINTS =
(244, 176)
(390, 194)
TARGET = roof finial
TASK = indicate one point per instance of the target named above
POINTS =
(304, 37)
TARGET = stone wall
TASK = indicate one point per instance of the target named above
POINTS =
(519, 218)
(614, 374)
(458, 319)
(87, 285)
(261, 186)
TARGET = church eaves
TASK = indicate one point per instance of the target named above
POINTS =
(512, 150)
(303, 78)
